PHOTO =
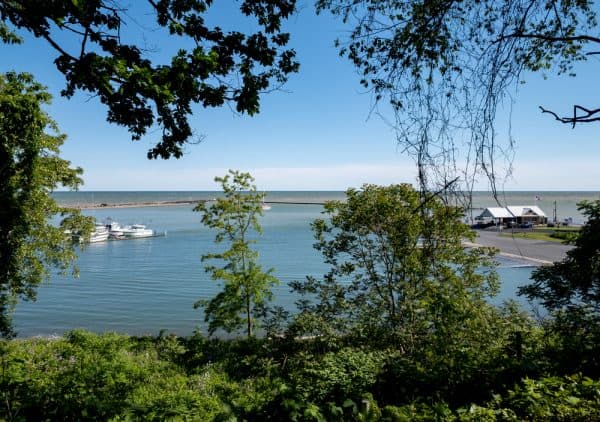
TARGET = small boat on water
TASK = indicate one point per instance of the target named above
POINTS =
(265, 207)
(100, 234)
(114, 228)
(118, 232)
(114, 231)
(137, 230)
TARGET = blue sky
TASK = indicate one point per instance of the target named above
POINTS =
(316, 134)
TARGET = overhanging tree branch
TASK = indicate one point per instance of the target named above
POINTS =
(447, 68)
(589, 115)
(221, 68)
(550, 38)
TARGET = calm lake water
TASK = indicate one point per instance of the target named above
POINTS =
(141, 286)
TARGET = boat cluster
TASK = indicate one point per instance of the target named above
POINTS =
(113, 230)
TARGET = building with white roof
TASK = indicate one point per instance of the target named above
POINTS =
(526, 211)
(519, 214)
(495, 213)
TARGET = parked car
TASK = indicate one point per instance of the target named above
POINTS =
(526, 225)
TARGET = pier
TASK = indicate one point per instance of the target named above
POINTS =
(171, 203)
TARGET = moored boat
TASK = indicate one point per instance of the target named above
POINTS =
(100, 234)
(137, 230)
(114, 228)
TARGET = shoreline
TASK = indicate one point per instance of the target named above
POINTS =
(168, 204)
(534, 251)
(133, 204)
(537, 261)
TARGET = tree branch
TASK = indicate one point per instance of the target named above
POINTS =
(590, 115)
(550, 38)
(57, 47)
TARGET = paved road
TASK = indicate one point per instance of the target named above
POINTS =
(536, 250)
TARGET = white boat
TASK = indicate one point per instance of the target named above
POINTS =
(114, 228)
(100, 234)
(265, 207)
(137, 230)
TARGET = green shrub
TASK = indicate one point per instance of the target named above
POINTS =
(165, 396)
(85, 376)
(564, 235)
(81, 376)
(574, 398)
(336, 376)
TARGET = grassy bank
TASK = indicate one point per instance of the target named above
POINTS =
(533, 235)
(548, 234)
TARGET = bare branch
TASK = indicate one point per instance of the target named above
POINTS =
(590, 115)
(549, 38)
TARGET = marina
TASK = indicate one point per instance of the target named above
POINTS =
(148, 284)
(112, 230)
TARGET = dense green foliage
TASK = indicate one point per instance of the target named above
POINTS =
(84, 376)
(95, 53)
(574, 282)
(30, 168)
(398, 43)
(246, 287)
(433, 350)
(570, 290)
(398, 270)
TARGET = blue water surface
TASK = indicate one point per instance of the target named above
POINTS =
(141, 286)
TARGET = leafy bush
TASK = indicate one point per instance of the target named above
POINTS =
(572, 342)
(574, 398)
(336, 376)
(84, 376)
(489, 355)
(78, 377)
(564, 235)
(174, 395)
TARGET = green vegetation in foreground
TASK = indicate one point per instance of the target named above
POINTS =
(30, 169)
(246, 287)
(85, 376)
(350, 354)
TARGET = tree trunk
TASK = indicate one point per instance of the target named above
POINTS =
(249, 319)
